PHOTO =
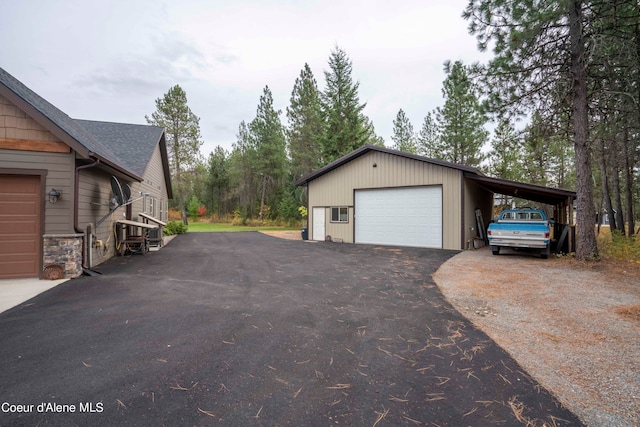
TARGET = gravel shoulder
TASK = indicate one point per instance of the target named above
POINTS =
(569, 325)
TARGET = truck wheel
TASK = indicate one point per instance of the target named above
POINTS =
(495, 250)
(544, 253)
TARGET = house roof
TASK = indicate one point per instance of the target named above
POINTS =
(59, 124)
(537, 193)
(132, 144)
(369, 148)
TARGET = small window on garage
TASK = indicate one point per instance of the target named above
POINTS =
(339, 214)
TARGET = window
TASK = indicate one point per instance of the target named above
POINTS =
(339, 214)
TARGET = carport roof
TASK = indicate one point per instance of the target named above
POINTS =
(536, 193)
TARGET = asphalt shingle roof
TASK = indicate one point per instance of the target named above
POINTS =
(132, 144)
(126, 147)
(58, 118)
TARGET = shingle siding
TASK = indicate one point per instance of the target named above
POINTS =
(15, 124)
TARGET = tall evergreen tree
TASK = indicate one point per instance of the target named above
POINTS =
(182, 129)
(242, 170)
(505, 157)
(403, 136)
(540, 59)
(461, 121)
(347, 128)
(305, 125)
(270, 145)
(428, 140)
(218, 180)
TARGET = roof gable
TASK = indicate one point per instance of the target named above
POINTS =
(132, 144)
(125, 147)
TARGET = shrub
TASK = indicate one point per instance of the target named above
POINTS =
(619, 247)
(174, 227)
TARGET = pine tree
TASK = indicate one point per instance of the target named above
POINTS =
(403, 137)
(305, 125)
(540, 62)
(182, 130)
(270, 146)
(428, 140)
(242, 170)
(505, 157)
(218, 180)
(346, 127)
(460, 120)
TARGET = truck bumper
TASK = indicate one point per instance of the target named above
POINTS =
(519, 243)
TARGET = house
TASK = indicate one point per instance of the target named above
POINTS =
(376, 195)
(56, 173)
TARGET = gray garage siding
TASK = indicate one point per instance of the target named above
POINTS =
(60, 167)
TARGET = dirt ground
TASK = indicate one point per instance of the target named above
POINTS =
(574, 327)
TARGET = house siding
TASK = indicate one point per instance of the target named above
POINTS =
(16, 124)
(59, 167)
(94, 195)
(155, 185)
(336, 188)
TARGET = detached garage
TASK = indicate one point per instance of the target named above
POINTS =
(375, 195)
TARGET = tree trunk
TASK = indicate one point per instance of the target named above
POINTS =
(605, 188)
(628, 169)
(615, 182)
(586, 248)
(264, 187)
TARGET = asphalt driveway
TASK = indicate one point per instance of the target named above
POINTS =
(245, 329)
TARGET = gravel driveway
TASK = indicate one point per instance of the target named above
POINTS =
(568, 324)
(244, 329)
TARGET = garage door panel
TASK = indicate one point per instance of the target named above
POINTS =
(400, 216)
(18, 246)
(18, 227)
(19, 207)
(17, 269)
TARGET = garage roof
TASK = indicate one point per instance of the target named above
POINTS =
(536, 193)
(367, 148)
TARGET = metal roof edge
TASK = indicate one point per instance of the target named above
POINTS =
(556, 191)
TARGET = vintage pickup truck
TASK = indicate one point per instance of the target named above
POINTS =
(520, 228)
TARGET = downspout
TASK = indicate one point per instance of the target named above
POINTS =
(76, 189)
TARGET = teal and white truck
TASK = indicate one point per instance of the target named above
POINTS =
(521, 228)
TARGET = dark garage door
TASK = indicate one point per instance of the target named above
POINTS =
(19, 226)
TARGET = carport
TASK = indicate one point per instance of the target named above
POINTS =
(560, 200)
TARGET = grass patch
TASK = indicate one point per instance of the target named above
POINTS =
(617, 247)
(199, 227)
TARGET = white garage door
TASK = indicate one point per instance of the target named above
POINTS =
(409, 216)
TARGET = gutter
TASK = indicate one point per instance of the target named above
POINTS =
(76, 190)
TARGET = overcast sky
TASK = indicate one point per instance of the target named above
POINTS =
(111, 60)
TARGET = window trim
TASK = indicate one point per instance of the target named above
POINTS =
(339, 221)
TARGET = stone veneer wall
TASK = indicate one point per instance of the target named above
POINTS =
(66, 250)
